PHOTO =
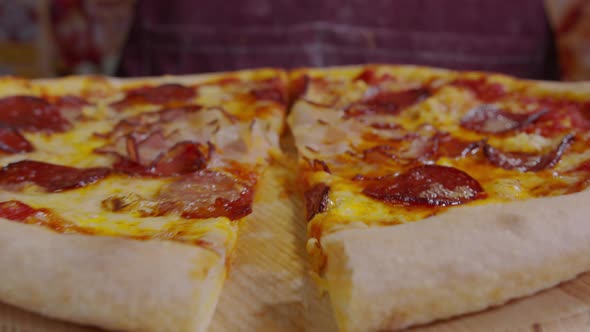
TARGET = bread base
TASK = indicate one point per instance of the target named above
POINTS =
(114, 283)
(461, 261)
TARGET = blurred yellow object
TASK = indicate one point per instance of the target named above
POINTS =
(43, 38)
(25, 48)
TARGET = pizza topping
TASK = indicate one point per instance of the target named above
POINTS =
(407, 148)
(426, 185)
(319, 92)
(446, 145)
(52, 177)
(316, 200)
(157, 142)
(387, 102)
(207, 194)
(21, 212)
(181, 158)
(483, 90)
(370, 77)
(17, 211)
(298, 88)
(160, 95)
(419, 148)
(527, 162)
(31, 114)
(385, 126)
(272, 89)
(146, 123)
(70, 107)
(11, 141)
(563, 116)
(319, 165)
(490, 119)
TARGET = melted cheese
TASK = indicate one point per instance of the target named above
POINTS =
(523, 142)
(83, 207)
(348, 207)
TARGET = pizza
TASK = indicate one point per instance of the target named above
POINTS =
(428, 193)
(432, 193)
(120, 199)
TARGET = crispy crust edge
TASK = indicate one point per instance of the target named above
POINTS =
(114, 283)
(465, 260)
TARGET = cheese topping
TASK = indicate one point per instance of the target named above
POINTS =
(172, 158)
(514, 139)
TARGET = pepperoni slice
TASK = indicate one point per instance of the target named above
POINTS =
(490, 119)
(370, 77)
(16, 211)
(31, 114)
(316, 200)
(272, 90)
(52, 177)
(483, 90)
(207, 194)
(527, 162)
(160, 95)
(426, 185)
(11, 141)
(564, 115)
(387, 102)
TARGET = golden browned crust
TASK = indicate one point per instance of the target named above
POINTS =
(464, 260)
(114, 283)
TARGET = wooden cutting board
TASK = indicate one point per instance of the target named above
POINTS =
(268, 288)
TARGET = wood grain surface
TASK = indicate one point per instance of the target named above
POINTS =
(269, 289)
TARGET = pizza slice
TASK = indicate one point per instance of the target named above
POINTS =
(432, 193)
(120, 199)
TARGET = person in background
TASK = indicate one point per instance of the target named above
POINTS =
(182, 36)
(153, 37)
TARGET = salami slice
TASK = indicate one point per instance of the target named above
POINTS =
(426, 185)
(160, 95)
(31, 114)
(207, 194)
(527, 162)
(387, 102)
(11, 141)
(53, 178)
(490, 119)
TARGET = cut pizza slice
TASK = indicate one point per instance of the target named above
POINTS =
(432, 193)
(120, 199)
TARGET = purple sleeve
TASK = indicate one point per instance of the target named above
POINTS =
(184, 36)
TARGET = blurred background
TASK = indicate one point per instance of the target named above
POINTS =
(540, 39)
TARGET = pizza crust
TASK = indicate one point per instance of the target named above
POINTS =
(114, 283)
(461, 261)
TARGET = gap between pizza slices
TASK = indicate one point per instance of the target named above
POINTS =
(161, 169)
(493, 168)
